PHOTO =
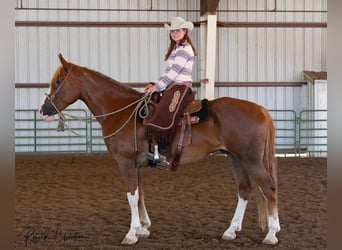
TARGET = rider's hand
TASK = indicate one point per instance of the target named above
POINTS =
(150, 89)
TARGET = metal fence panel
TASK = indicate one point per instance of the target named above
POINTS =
(313, 132)
(286, 132)
(32, 134)
(305, 134)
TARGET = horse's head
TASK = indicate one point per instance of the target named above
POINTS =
(60, 93)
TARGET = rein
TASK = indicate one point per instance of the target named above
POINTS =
(142, 112)
(140, 102)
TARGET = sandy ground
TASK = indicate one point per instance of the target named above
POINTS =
(78, 202)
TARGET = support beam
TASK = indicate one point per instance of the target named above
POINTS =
(208, 55)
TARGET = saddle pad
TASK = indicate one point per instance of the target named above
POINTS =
(203, 113)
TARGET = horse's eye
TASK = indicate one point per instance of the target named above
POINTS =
(58, 82)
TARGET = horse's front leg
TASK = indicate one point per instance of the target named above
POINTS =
(145, 221)
(131, 237)
(140, 221)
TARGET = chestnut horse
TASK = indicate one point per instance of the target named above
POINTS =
(241, 129)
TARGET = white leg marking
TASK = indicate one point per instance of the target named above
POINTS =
(273, 228)
(273, 223)
(236, 223)
(131, 237)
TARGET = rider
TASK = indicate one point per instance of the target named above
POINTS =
(174, 84)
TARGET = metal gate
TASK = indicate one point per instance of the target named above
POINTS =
(313, 132)
(303, 135)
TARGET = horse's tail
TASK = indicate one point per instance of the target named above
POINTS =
(270, 164)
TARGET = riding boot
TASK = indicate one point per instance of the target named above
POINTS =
(150, 156)
(159, 156)
(164, 154)
(164, 149)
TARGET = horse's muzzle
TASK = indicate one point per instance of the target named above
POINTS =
(45, 115)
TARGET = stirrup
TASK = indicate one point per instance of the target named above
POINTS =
(149, 156)
(155, 156)
(163, 163)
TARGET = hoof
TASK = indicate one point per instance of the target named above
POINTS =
(129, 240)
(270, 239)
(143, 233)
(228, 235)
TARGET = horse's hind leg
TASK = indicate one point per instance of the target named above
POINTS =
(269, 192)
(245, 188)
(268, 188)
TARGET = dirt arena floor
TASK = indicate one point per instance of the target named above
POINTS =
(78, 202)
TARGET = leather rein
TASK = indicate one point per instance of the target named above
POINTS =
(142, 112)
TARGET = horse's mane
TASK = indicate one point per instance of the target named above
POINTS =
(111, 80)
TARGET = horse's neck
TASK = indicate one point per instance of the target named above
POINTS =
(103, 95)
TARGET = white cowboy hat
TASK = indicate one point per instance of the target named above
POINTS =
(179, 23)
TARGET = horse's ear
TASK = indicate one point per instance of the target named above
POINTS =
(63, 61)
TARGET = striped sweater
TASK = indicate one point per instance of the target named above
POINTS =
(179, 67)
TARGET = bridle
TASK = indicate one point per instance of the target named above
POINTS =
(141, 109)
(51, 97)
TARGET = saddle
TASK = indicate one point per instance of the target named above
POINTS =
(195, 111)
(196, 108)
